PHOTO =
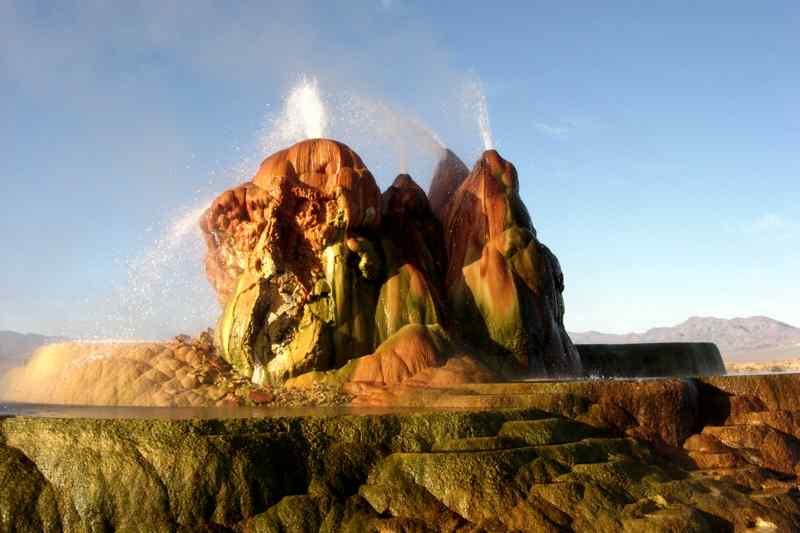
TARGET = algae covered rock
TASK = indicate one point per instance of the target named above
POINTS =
(488, 468)
(413, 252)
(417, 355)
(27, 501)
(504, 286)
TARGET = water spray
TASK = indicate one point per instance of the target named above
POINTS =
(385, 125)
(475, 104)
(304, 116)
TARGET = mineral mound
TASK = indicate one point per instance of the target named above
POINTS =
(501, 280)
(315, 268)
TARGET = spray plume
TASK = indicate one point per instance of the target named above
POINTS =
(385, 126)
(475, 104)
(304, 116)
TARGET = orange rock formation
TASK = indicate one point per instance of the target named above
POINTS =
(315, 267)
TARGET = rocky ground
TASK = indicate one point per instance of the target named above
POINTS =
(711, 454)
(760, 367)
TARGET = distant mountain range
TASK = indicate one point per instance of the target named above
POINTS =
(16, 348)
(756, 338)
(15, 345)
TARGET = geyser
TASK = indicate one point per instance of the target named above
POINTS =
(304, 116)
(315, 269)
(328, 284)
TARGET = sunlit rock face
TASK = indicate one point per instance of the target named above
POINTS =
(504, 287)
(300, 201)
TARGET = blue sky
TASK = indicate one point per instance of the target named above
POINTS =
(656, 143)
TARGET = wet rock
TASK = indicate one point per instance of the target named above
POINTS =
(672, 518)
(717, 461)
(417, 355)
(658, 411)
(293, 514)
(705, 443)
(545, 431)
(477, 487)
(760, 445)
(413, 252)
(260, 397)
(773, 392)
(787, 422)
(503, 286)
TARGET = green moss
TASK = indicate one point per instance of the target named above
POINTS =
(635, 478)
(27, 500)
(118, 474)
(405, 298)
(473, 444)
(595, 450)
(545, 431)
(293, 514)
(354, 300)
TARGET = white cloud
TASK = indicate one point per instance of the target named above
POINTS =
(769, 222)
(774, 225)
(559, 133)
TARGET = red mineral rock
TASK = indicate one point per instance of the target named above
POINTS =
(502, 284)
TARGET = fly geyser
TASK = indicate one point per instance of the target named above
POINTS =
(317, 271)
(333, 292)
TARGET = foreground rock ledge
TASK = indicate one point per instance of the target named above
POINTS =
(712, 454)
